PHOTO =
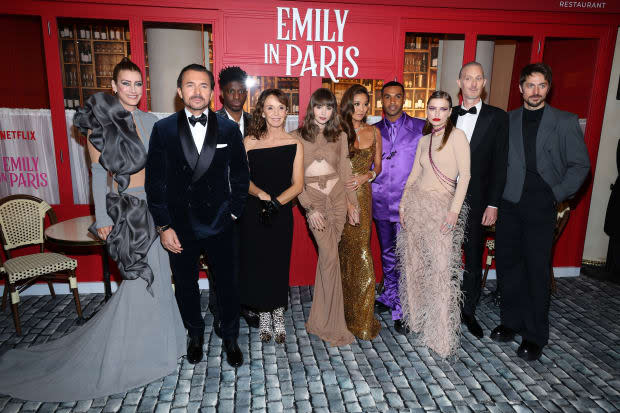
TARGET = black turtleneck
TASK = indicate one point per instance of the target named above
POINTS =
(531, 122)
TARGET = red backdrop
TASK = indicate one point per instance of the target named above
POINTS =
(377, 30)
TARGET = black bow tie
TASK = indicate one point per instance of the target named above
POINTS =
(461, 112)
(202, 119)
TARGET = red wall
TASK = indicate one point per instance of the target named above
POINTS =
(24, 82)
(571, 61)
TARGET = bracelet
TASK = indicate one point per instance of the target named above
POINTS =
(161, 228)
(374, 175)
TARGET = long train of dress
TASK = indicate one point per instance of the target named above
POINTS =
(134, 339)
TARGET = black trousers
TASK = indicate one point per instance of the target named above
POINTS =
(219, 250)
(473, 248)
(213, 306)
(524, 240)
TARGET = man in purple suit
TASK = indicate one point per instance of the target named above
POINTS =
(400, 134)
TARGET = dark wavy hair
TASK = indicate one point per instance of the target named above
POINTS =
(428, 128)
(258, 125)
(125, 64)
(333, 128)
(346, 113)
(196, 68)
(542, 68)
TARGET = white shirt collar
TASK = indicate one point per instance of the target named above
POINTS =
(240, 123)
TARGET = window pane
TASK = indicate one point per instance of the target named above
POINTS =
(430, 62)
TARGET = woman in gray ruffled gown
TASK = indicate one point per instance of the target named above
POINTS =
(138, 335)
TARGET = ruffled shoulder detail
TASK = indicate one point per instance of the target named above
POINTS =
(113, 133)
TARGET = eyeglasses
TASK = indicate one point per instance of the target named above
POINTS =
(392, 153)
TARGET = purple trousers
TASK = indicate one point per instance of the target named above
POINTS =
(387, 231)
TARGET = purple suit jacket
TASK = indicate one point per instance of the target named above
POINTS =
(388, 188)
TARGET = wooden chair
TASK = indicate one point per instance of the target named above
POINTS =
(22, 219)
(563, 214)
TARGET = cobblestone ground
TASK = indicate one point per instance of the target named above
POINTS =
(579, 371)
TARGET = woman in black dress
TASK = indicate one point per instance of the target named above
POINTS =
(276, 178)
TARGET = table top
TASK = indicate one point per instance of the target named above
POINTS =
(73, 232)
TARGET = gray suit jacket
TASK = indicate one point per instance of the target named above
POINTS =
(561, 154)
(247, 118)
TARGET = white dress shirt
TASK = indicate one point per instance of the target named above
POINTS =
(199, 132)
(467, 122)
(240, 123)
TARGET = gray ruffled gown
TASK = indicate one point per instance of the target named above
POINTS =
(138, 335)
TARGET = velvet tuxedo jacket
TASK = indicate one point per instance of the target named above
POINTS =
(489, 157)
(196, 193)
(562, 158)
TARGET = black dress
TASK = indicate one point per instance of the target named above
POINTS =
(266, 250)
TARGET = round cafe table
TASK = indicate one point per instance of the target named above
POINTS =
(74, 233)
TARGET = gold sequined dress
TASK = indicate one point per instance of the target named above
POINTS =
(356, 265)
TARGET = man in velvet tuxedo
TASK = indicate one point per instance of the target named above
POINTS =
(486, 128)
(197, 181)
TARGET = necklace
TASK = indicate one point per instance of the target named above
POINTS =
(435, 130)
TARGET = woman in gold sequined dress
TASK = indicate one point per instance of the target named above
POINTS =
(356, 265)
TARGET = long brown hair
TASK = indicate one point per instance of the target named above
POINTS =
(346, 113)
(258, 125)
(428, 128)
(333, 127)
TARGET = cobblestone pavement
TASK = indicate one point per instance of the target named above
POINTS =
(579, 370)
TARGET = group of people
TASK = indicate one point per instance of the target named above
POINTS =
(223, 185)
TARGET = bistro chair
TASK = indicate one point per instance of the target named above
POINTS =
(22, 220)
(563, 214)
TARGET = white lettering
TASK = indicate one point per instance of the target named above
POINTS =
(281, 24)
(274, 53)
(306, 26)
(326, 27)
(356, 51)
(317, 25)
(308, 56)
(340, 50)
(340, 23)
(289, 64)
(327, 67)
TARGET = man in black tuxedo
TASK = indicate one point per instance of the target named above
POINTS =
(547, 163)
(486, 128)
(197, 181)
(233, 94)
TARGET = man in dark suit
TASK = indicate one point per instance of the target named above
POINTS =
(233, 94)
(197, 181)
(547, 163)
(486, 128)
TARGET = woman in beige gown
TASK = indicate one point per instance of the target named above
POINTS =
(433, 218)
(356, 264)
(327, 203)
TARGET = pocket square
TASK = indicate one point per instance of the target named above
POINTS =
(221, 145)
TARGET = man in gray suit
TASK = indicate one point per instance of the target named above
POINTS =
(547, 163)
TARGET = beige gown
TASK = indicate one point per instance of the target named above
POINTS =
(327, 168)
(430, 262)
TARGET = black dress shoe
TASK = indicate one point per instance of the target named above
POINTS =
(472, 325)
(234, 357)
(400, 327)
(217, 328)
(529, 351)
(250, 317)
(502, 334)
(381, 308)
(194, 349)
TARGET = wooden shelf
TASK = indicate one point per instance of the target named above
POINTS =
(78, 72)
(419, 78)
